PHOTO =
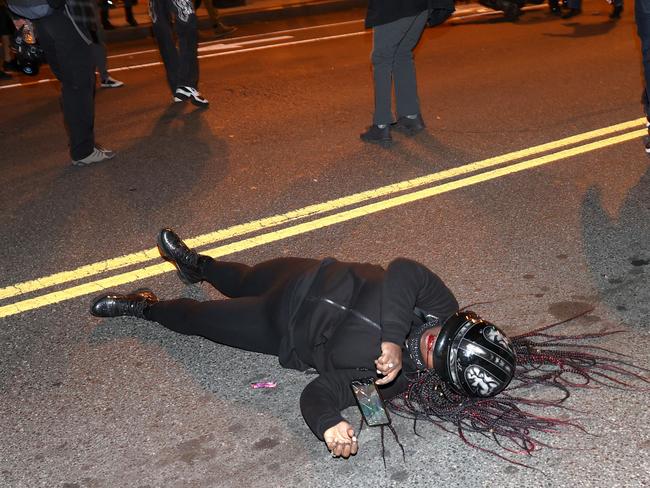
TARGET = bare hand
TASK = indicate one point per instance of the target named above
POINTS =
(389, 363)
(340, 440)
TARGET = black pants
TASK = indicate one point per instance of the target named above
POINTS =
(72, 62)
(181, 64)
(254, 317)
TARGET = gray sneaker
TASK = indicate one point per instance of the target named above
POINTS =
(99, 154)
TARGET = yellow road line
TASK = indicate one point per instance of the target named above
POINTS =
(150, 271)
(100, 267)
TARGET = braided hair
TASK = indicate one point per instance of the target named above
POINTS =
(544, 361)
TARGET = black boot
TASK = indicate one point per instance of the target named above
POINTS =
(133, 304)
(173, 249)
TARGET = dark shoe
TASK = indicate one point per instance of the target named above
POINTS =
(11, 66)
(377, 135)
(616, 12)
(133, 304)
(409, 126)
(222, 30)
(511, 12)
(4, 76)
(572, 12)
(173, 249)
(128, 14)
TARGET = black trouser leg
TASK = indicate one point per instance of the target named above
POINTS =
(239, 280)
(249, 323)
(253, 319)
(162, 29)
(181, 64)
(186, 27)
(72, 62)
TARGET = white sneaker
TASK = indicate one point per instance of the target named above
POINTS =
(99, 154)
(192, 94)
(111, 83)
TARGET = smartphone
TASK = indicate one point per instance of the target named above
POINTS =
(370, 401)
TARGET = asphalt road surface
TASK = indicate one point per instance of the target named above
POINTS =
(530, 191)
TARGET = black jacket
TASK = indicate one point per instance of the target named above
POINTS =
(385, 11)
(340, 313)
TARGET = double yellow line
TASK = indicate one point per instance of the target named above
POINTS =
(372, 201)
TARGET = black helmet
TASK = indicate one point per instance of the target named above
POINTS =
(29, 55)
(473, 356)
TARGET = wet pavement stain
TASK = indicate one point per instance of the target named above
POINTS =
(639, 262)
(562, 256)
(615, 281)
(266, 443)
(190, 451)
(565, 310)
(529, 276)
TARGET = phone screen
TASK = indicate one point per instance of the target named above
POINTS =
(370, 402)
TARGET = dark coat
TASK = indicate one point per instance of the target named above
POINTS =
(340, 313)
(385, 11)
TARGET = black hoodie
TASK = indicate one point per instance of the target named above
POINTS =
(340, 313)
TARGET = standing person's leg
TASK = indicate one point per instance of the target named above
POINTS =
(106, 23)
(71, 60)
(99, 55)
(575, 8)
(128, 13)
(162, 28)
(642, 18)
(385, 42)
(220, 29)
(186, 27)
(406, 89)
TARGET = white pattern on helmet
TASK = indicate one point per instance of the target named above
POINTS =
(493, 335)
(480, 380)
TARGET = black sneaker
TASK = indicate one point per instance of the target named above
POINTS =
(409, 126)
(187, 262)
(378, 135)
(133, 304)
(183, 93)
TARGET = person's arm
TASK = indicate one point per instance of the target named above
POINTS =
(321, 403)
(407, 284)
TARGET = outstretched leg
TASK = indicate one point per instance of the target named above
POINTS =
(250, 323)
(231, 279)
